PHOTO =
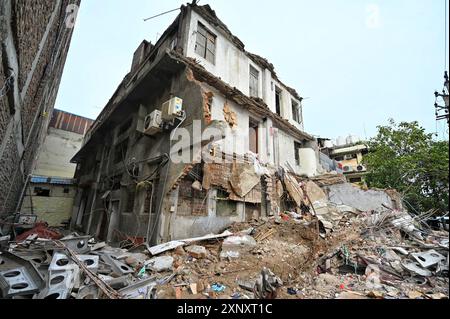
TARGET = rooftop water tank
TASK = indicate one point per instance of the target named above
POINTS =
(352, 139)
(340, 141)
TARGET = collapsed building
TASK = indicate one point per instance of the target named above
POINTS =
(34, 40)
(197, 79)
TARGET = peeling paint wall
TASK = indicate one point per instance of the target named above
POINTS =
(233, 66)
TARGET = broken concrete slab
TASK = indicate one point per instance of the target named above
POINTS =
(347, 194)
(415, 267)
(243, 179)
(160, 264)
(429, 258)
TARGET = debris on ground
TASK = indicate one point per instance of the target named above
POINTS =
(332, 251)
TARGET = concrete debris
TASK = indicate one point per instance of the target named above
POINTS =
(160, 264)
(235, 246)
(197, 251)
(347, 194)
(346, 244)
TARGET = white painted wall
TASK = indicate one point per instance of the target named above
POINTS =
(233, 66)
(58, 149)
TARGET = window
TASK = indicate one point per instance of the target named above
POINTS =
(297, 147)
(296, 112)
(41, 192)
(205, 45)
(120, 151)
(278, 100)
(254, 81)
(253, 136)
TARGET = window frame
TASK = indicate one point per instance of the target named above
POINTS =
(296, 116)
(205, 43)
(253, 79)
(297, 147)
(278, 93)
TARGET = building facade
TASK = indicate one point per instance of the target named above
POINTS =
(34, 41)
(51, 191)
(139, 177)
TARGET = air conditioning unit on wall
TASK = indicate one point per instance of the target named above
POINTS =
(172, 109)
(153, 123)
(347, 169)
(361, 168)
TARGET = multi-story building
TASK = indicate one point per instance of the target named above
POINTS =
(52, 190)
(192, 139)
(347, 155)
(34, 41)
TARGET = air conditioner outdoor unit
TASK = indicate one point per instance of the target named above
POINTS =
(347, 169)
(172, 109)
(153, 123)
(361, 168)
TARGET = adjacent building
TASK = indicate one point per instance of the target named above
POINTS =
(192, 140)
(347, 155)
(34, 41)
(51, 191)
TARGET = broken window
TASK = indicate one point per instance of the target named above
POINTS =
(278, 101)
(253, 136)
(297, 147)
(205, 45)
(42, 192)
(120, 151)
(254, 82)
(296, 116)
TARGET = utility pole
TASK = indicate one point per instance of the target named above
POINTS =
(442, 109)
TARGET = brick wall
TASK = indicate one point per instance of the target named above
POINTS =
(33, 33)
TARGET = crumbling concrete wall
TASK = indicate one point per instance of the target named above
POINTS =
(34, 41)
(363, 200)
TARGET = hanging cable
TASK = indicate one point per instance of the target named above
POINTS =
(445, 35)
(161, 14)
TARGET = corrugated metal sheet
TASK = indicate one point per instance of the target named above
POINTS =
(70, 122)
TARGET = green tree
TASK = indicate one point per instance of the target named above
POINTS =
(403, 157)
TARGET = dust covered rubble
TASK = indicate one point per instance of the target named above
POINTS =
(339, 248)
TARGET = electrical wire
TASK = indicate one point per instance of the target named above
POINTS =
(158, 212)
(445, 36)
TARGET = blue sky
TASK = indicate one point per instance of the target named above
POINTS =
(356, 62)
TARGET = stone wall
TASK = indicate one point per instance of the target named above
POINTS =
(34, 42)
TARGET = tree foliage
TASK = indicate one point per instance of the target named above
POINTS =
(404, 157)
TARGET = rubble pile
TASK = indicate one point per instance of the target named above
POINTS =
(331, 251)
